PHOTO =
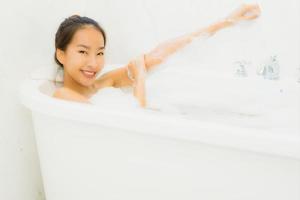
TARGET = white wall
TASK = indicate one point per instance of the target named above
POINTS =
(133, 26)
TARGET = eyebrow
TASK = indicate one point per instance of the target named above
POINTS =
(87, 47)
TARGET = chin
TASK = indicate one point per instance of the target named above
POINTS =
(87, 83)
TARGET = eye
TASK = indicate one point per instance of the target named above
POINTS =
(82, 52)
(100, 54)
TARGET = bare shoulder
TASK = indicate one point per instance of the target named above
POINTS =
(68, 94)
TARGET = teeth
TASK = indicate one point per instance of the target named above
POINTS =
(91, 73)
(88, 73)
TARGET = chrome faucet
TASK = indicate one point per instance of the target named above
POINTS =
(270, 70)
(240, 68)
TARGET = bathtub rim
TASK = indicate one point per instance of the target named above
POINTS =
(286, 145)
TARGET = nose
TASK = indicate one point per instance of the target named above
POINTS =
(92, 62)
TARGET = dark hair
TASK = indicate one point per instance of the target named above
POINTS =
(68, 28)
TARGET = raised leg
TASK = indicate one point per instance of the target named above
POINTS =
(139, 66)
(165, 49)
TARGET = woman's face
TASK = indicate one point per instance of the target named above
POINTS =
(84, 57)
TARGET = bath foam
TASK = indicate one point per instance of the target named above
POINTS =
(113, 97)
(213, 98)
(124, 100)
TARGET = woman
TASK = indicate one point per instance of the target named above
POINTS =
(80, 46)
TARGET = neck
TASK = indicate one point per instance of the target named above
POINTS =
(73, 85)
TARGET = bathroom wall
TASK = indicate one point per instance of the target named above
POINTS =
(133, 26)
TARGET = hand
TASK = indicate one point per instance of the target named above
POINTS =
(244, 12)
(138, 70)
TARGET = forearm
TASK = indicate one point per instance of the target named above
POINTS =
(133, 74)
(120, 77)
(126, 75)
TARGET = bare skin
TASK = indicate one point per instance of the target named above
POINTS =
(79, 86)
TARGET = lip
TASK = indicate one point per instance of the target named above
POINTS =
(88, 73)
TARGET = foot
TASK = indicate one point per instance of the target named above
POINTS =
(244, 12)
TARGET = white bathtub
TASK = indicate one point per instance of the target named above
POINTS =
(231, 146)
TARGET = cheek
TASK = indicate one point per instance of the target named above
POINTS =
(100, 59)
(72, 66)
(76, 60)
(100, 62)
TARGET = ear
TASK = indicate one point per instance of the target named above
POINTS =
(60, 55)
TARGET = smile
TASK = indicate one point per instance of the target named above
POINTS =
(88, 74)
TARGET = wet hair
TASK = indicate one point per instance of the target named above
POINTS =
(68, 28)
